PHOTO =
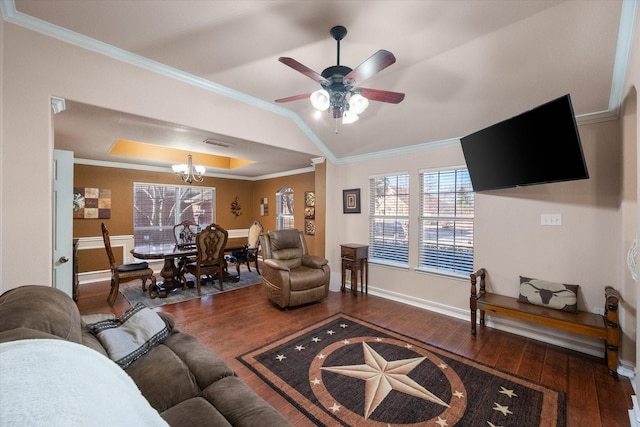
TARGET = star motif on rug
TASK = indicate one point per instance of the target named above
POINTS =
(344, 325)
(503, 409)
(330, 332)
(441, 422)
(509, 393)
(315, 381)
(492, 424)
(316, 339)
(299, 347)
(381, 376)
(281, 357)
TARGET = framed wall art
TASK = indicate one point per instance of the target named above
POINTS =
(351, 200)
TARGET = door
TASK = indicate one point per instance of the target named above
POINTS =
(63, 221)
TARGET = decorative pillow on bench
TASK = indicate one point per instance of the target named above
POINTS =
(554, 295)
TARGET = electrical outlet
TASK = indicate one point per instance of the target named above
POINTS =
(551, 219)
(599, 310)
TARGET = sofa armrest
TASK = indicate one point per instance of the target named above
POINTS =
(314, 261)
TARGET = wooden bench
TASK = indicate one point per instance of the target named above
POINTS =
(584, 323)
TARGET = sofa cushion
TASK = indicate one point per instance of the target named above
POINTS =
(194, 412)
(240, 405)
(131, 335)
(163, 378)
(42, 308)
(558, 296)
(306, 278)
(205, 365)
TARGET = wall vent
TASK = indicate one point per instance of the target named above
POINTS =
(217, 143)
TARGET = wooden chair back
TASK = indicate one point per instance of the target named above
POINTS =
(211, 242)
(185, 233)
(107, 245)
(255, 230)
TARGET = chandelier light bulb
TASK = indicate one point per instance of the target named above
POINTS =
(320, 99)
(358, 103)
(189, 172)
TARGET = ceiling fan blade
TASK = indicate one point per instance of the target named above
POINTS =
(294, 98)
(304, 70)
(376, 63)
(381, 95)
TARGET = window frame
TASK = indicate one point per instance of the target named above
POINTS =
(466, 226)
(163, 228)
(389, 224)
(285, 221)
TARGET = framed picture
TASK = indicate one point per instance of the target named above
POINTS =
(310, 212)
(309, 198)
(351, 200)
(309, 227)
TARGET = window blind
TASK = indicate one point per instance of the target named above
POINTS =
(389, 219)
(446, 221)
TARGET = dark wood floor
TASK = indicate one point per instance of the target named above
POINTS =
(235, 322)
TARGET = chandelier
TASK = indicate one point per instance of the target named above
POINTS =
(345, 104)
(189, 172)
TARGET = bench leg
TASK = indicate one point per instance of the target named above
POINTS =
(611, 355)
(482, 317)
(473, 321)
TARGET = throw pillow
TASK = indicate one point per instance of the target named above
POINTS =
(131, 335)
(559, 296)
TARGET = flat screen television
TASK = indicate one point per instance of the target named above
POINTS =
(539, 146)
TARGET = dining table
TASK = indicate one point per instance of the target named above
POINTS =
(170, 272)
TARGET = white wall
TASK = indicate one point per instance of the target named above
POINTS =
(36, 67)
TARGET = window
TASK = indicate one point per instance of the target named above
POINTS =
(389, 219)
(446, 221)
(284, 204)
(158, 207)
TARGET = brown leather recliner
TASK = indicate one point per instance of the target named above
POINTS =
(291, 276)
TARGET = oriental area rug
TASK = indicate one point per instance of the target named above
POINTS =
(345, 371)
(132, 291)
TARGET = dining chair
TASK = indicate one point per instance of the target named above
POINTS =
(249, 253)
(125, 272)
(210, 260)
(185, 237)
(185, 234)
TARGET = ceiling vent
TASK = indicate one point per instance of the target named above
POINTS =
(217, 143)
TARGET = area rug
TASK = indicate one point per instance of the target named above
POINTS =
(132, 291)
(345, 371)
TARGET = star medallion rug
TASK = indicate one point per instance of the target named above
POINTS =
(345, 371)
(132, 291)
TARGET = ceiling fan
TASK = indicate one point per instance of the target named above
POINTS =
(340, 92)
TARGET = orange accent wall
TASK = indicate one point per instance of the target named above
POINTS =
(120, 182)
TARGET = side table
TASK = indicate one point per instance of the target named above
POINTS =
(355, 258)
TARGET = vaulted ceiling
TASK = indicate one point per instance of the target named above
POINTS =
(463, 65)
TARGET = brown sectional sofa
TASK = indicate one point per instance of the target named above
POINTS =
(181, 378)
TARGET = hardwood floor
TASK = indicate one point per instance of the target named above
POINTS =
(235, 322)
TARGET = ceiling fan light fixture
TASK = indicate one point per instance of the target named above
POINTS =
(358, 103)
(349, 117)
(320, 100)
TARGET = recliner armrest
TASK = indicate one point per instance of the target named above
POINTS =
(276, 264)
(314, 261)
